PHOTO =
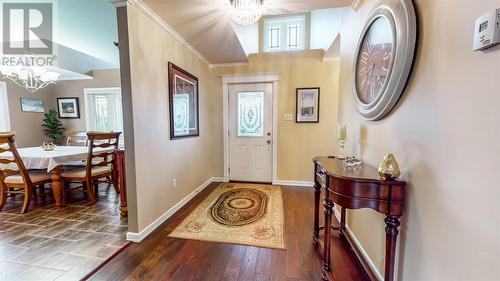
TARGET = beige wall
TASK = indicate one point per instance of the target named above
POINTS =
(28, 125)
(445, 133)
(105, 78)
(299, 143)
(158, 159)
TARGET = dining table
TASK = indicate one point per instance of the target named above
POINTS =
(36, 158)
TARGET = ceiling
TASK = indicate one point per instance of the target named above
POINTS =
(206, 25)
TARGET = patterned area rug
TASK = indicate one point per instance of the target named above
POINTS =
(247, 214)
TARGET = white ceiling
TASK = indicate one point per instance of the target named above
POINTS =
(206, 25)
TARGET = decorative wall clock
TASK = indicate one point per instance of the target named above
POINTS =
(384, 57)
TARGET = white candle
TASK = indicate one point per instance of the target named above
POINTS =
(341, 132)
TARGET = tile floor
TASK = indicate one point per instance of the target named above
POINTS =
(50, 243)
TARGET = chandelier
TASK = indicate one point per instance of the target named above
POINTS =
(246, 12)
(30, 78)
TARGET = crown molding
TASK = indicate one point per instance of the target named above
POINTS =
(231, 64)
(355, 4)
(157, 19)
(118, 3)
(331, 59)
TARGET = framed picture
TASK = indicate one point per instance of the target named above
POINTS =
(68, 107)
(307, 110)
(32, 105)
(183, 103)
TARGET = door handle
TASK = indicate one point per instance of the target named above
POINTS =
(268, 141)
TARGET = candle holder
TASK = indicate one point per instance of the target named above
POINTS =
(341, 144)
(341, 139)
(48, 146)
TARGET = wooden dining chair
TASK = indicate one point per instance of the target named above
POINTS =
(100, 164)
(14, 178)
(74, 138)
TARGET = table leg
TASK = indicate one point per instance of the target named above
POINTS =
(391, 235)
(328, 204)
(342, 221)
(317, 194)
(57, 186)
(121, 181)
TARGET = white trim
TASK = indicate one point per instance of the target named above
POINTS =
(232, 64)
(139, 236)
(355, 4)
(360, 248)
(293, 183)
(156, 18)
(248, 78)
(118, 3)
(331, 59)
(244, 78)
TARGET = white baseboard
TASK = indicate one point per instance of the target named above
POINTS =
(293, 183)
(139, 236)
(361, 249)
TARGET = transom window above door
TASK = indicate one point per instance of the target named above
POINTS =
(285, 33)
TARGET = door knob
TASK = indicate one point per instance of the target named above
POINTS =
(268, 141)
(268, 134)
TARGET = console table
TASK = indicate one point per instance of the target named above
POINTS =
(355, 188)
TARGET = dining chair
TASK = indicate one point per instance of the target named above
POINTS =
(14, 178)
(74, 138)
(100, 164)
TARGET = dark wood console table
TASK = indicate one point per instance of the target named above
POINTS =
(356, 188)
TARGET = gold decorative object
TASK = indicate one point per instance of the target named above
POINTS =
(48, 146)
(389, 168)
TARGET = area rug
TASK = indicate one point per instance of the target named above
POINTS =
(246, 214)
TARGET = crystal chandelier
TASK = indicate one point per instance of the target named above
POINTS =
(246, 12)
(31, 78)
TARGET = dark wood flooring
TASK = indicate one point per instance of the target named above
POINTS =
(51, 243)
(161, 258)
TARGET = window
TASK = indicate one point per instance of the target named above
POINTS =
(103, 109)
(4, 109)
(251, 114)
(285, 33)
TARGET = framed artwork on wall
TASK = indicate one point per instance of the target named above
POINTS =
(68, 107)
(32, 105)
(307, 109)
(183, 103)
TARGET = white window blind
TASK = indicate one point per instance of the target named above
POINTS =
(4, 108)
(103, 109)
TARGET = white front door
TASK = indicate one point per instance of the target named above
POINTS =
(250, 132)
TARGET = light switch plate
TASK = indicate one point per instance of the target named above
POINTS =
(288, 117)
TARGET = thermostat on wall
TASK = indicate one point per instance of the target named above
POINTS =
(487, 31)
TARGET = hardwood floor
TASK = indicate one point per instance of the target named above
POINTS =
(50, 243)
(161, 258)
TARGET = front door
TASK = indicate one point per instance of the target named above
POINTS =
(250, 132)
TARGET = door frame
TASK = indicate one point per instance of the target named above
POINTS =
(249, 78)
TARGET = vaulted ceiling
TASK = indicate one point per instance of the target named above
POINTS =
(206, 25)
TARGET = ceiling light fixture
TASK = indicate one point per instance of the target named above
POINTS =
(30, 78)
(246, 12)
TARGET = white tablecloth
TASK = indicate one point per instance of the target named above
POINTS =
(37, 158)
